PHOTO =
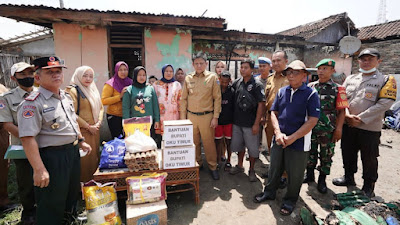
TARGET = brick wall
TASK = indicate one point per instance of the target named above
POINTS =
(390, 52)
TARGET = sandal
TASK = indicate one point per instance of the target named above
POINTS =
(228, 166)
(286, 209)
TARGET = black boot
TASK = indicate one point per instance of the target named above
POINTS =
(322, 184)
(346, 180)
(368, 189)
(309, 176)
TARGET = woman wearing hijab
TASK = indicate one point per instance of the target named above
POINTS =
(140, 99)
(169, 94)
(112, 94)
(90, 112)
(180, 76)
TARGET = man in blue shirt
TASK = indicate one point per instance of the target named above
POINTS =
(294, 113)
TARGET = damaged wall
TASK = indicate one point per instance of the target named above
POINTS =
(167, 46)
(331, 34)
(80, 45)
(313, 54)
(222, 50)
(390, 55)
(40, 48)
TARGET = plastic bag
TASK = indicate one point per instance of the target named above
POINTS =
(133, 124)
(139, 142)
(149, 187)
(101, 203)
(113, 153)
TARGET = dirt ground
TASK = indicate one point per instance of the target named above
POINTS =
(229, 200)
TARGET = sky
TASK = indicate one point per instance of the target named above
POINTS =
(254, 16)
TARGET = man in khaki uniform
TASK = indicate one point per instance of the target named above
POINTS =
(22, 73)
(50, 136)
(201, 104)
(274, 82)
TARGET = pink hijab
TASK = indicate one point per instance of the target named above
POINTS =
(116, 82)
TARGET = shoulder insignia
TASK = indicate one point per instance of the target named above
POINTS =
(341, 98)
(389, 90)
(3, 104)
(32, 96)
(28, 114)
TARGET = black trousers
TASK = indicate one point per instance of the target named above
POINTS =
(367, 142)
(25, 187)
(57, 203)
(115, 125)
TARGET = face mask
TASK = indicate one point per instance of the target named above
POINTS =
(26, 82)
(367, 71)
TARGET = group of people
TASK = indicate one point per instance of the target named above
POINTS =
(302, 122)
(52, 124)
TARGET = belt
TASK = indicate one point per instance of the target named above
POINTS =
(200, 113)
(60, 147)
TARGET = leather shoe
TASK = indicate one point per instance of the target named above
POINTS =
(263, 197)
(215, 174)
(344, 181)
(368, 189)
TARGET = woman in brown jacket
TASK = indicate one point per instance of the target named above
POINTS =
(88, 107)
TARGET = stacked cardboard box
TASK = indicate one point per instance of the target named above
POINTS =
(177, 147)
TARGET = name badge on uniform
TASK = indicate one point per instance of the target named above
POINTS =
(48, 109)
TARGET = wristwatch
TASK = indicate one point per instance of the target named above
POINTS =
(81, 140)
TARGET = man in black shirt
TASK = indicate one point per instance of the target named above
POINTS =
(248, 108)
(223, 132)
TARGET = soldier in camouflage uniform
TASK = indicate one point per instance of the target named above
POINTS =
(329, 127)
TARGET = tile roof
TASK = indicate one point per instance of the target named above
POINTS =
(309, 30)
(380, 31)
(108, 11)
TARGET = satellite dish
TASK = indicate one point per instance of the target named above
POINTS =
(349, 44)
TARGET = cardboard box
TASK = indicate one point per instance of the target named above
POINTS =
(142, 124)
(15, 152)
(154, 213)
(179, 157)
(178, 133)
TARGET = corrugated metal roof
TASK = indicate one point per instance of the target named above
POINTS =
(309, 30)
(380, 31)
(109, 11)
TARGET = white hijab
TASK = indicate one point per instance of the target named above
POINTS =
(91, 92)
